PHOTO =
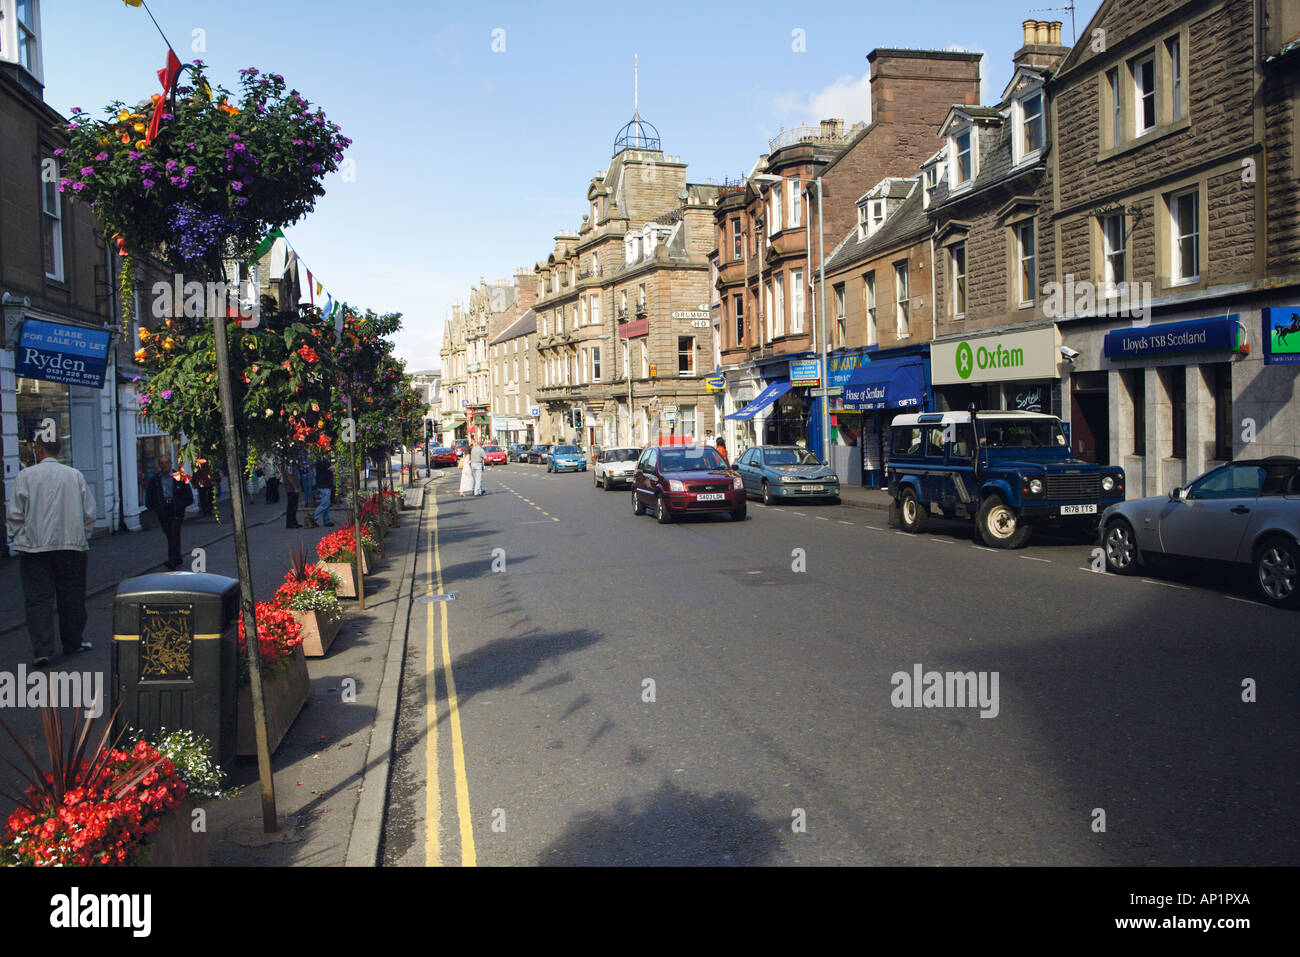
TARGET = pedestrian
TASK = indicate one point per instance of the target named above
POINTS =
(709, 438)
(292, 489)
(203, 485)
(721, 448)
(272, 484)
(466, 478)
(167, 496)
(51, 515)
(476, 458)
(325, 483)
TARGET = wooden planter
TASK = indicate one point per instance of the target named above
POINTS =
(318, 632)
(175, 844)
(285, 694)
(348, 587)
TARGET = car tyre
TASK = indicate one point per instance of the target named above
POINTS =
(1119, 546)
(637, 507)
(1277, 572)
(738, 514)
(767, 493)
(999, 525)
(662, 515)
(912, 515)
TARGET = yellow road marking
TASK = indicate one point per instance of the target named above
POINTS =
(432, 793)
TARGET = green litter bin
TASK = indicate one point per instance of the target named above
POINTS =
(175, 657)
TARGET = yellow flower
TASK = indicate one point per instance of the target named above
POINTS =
(168, 343)
(140, 144)
(139, 127)
(144, 335)
(123, 116)
(139, 355)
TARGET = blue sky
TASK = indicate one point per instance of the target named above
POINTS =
(468, 161)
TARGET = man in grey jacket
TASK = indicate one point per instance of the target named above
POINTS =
(476, 457)
(51, 516)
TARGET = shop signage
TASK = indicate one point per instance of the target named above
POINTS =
(805, 372)
(1281, 334)
(715, 383)
(842, 367)
(535, 412)
(55, 352)
(499, 423)
(637, 327)
(692, 314)
(654, 371)
(700, 323)
(1221, 334)
(1033, 354)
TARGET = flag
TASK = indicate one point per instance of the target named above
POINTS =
(265, 244)
(167, 77)
(311, 287)
(328, 307)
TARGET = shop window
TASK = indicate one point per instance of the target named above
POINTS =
(1221, 384)
(38, 400)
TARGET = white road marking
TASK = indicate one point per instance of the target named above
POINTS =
(800, 514)
(1031, 558)
(842, 522)
(1246, 601)
(942, 541)
(876, 527)
(985, 548)
(1151, 581)
(820, 518)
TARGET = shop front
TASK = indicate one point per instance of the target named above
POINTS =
(761, 405)
(1000, 371)
(881, 386)
(740, 387)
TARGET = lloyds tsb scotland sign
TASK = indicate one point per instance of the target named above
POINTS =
(1033, 354)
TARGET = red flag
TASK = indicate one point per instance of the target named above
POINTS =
(167, 77)
(311, 288)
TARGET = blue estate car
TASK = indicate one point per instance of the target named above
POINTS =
(786, 471)
(1006, 470)
(566, 458)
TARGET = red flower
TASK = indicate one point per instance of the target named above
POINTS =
(308, 354)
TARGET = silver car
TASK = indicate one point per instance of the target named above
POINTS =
(1246, 512)
(614, 467)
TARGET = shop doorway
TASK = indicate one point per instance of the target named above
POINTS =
(1090, 417)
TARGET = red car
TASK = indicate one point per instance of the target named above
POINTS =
(442, 456)
(677, 480)
(494, 455)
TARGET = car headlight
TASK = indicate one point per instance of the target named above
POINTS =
(737, 482)
(675, 486)
(1107, 483)
(1036, 486)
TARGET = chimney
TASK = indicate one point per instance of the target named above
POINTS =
(1042, 47)
(906, 83)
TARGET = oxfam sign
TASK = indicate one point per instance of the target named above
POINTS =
(1018, 355)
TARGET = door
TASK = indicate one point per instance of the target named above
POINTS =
(750, 470)
(644, 481)
(1212, 520)
(1090, 417)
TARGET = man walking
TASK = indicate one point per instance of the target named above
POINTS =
(51, 515)
(325, 485)
(476, 457)
(168, 495)
(292, 489)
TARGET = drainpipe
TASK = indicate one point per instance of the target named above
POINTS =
(821, 265)
(934, 311)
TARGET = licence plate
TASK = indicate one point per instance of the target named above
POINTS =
(1078, 509)
(710, 497)
(813, 488)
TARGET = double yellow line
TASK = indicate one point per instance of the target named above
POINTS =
(433, 794)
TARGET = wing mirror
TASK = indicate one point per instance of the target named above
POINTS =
(1178, 495)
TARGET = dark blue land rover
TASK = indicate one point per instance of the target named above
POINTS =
(1006, 470)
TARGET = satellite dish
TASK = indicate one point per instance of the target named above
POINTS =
(684, 195)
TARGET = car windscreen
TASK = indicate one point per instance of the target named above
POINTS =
(789, 457)
(566, 450)
(694, 460)
(622, 455)
(1021, 434)
(491, 448)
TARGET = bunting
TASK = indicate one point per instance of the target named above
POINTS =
(287, 264)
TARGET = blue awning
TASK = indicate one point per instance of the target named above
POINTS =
(765, 398)
(887, 384)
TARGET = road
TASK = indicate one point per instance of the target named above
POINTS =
(622, 692)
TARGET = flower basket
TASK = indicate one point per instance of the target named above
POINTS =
(284, 694)
(318, 631)
(175, 843)
(347, 585)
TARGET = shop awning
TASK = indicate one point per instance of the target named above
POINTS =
(765, 398)
(887, 384)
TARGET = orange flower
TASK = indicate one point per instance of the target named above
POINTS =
(144, 335)
(139, 355)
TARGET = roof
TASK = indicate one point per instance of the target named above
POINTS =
(906, 222)
(960, 418)
(523, 326)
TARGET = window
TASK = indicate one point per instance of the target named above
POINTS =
(1174, 51)
(1116, 101)
(776, 210)
(545, 326)
(559, 321)
(622, 303)
(1030, 133)
(640, 299)
(1144, 94)
(962, 167)
(877, 216)
(1186, 236)
(51, 220)
(645, 361)
(528, 366)
(934, 443)
(583, 302)
(573, 315)
(595, 363)
(1114, 253)
(794, 203)
(737, 248)
(595, 310)
(627, 360)
(686, 418)
(869, 305)
(863, 218)
(779, 316)
(738, 307)
(903, 301)
(1025, 256)
(1221, 387)
(686, 355)
(907, 441)
(796, 300)
(767, 293)
(27, 35)
(839, 314)
(957, 262)
(595, 265)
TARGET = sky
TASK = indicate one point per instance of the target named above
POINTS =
(477, 127)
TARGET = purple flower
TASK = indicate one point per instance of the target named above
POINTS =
(78, 187)
(315, 167)
(167, 393)
(190, 145)
(135, 378)
(236, 185)
(189, 170)
(232, 136)
(60, 151)
(144, 400)
(261, 108)
(87, 171)
(133, 155)
(297, 142)
(145, 167)
(239, 147)
(76, 109)
(171, 165)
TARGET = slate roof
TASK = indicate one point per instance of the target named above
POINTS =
(525, 325)
(907, 222)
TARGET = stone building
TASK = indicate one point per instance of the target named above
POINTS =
(512, 365)
(455, 377)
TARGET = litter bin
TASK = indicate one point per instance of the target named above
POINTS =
(175, 657)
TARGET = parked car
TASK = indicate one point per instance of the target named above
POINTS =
(441, 455)
(538, 453)
(676, 480)
(1005, 470)
(517, 453)
(461, 447)
(614, 467)
(494, 455)
(786, 471)
(566, 458)
(1246, 512)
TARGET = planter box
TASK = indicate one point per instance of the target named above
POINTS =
(285, 695)
(318, 632)
(175, 844)
(348, 588)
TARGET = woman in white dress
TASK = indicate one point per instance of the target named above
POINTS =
(466, 478)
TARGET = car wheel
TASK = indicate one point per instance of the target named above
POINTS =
(767, 493)
(1119, 545)
(1277, 573)
(662, 515)
(999, 525)
(738, 514)
(637, 507)
(912, 515)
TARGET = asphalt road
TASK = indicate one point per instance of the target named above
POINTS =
(773, 737)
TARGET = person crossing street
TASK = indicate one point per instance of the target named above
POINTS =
(476, 459)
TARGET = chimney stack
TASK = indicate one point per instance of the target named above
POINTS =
(1042, 47)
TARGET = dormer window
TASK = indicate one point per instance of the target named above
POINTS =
(1029, 127)
(27, 28)
(862, 220)
(960, 147)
